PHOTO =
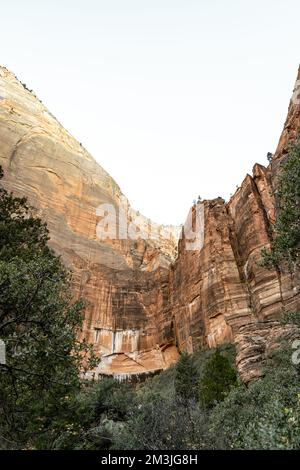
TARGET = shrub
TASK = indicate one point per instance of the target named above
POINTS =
(264, 416)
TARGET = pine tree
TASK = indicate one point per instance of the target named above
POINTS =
(219, 376)
(186, 378)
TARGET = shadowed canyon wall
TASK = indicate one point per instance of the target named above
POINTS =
(149, 298)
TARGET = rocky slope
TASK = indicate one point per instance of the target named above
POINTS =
(143, 304)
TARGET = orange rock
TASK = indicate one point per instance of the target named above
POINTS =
(143, 304)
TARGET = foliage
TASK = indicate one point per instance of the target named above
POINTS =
(40, 324)
(292, 318)
(112, 398)
(21, 234)
(98, 414)
(196, 404)
(286, 230)
(157, 423)
(186, 378)
(264, 416)
(219, 377)
(166, 413)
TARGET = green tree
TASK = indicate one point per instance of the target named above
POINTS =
(40, 325)
(99, 413)
(264, 415)
(218, 378)
(186, 378)
(286, 230)
(163, 423)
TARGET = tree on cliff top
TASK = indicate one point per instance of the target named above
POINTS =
(285, 249)
(39, 323)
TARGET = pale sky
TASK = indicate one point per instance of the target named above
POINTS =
(174, 98)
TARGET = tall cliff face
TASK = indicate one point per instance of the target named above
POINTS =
(143, 305)
(221, 293)
(123, 280)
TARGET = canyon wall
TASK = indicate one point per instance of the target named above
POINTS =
(149, 296)
(123, 280)
(221, 293)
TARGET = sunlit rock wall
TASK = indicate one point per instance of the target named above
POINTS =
(149, 296)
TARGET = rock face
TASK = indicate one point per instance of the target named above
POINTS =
(256, 342)
(123, 280)
(220, 293)
(147, 297)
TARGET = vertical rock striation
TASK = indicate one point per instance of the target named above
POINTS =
(143, 304)
(123, 280)
(221, 293)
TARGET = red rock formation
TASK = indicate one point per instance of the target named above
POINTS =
(256, 342)
(221, 293)
(123, 280)
(142, 305)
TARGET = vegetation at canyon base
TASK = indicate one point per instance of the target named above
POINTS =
(155, 415)
(200, 403)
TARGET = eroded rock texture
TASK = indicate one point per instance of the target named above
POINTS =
(124, 281)
(143, 304)
(257, 341)
(221, 293)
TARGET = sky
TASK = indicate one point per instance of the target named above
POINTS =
(174, 98)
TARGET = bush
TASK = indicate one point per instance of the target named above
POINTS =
(163, 424)
(98, 414)
(264, 416)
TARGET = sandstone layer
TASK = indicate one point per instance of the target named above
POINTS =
(148, 295)
(123, 280)
(221, 293)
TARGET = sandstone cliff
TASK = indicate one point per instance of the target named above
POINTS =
(124, 281)
(221, 293)
(143, 304)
